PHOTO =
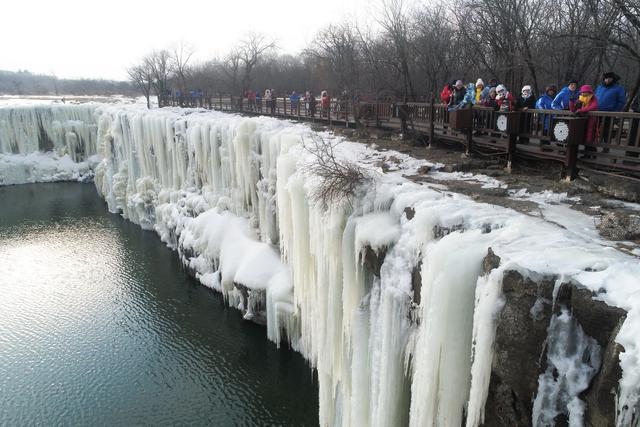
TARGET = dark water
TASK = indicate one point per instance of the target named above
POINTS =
(99, 325)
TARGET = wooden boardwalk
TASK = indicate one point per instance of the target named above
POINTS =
(547, 135)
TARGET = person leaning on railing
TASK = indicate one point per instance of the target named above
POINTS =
(268, 99)
(258, 100)
(526, 101)
(294, 99)
(324, 103)
(493, 83)
(565, 96)
(611, 97)
(490, 100)
(504, 99)
(544, 103)
(457, 95)
(447, 90)
(479, 90)
(586, 102)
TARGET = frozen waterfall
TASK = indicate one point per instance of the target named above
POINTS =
(386, 294)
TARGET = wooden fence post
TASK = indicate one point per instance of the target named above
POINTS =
(432, 122)
(571, 161)
(403, 112)
(510, 123)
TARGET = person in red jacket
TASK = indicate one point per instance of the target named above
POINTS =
(586, 102)
(504, 99)
(324, 103)
(447, 90)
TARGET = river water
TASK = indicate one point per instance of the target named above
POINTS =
(99, 325)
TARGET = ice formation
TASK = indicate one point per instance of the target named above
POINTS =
(232, 196)
(41, 143)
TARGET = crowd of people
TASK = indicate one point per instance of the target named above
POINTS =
(609, 95)
(297, 101)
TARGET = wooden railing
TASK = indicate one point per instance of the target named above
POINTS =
(614, 148)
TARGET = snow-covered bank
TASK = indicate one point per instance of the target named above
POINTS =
(386, 294)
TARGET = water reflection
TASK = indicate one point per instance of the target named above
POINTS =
(99, 325)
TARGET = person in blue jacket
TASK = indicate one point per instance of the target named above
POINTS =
(258, 100)
(565, 96)
(545, 103)
(546, 100)
(610, 94)
(294, 98)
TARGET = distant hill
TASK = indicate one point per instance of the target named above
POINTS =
(27, 83)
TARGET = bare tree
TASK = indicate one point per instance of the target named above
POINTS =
(141, 76)
(336, 50)
(159, 64)
(340, 179)
(180, 57)
(231, 68)
(394, 20)
(250, 50)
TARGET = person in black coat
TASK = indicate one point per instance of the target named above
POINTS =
(526, 100)
(457, 95)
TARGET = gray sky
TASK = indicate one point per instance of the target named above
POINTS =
(87, 38)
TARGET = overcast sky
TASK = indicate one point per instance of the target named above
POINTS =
(86, 38)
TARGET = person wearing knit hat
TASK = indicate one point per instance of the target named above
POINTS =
(565, 96)
(493, 83)
(586, 102)
(457, 95)
(544, 103)
(526, 100)
(611, 95)
(479, 89)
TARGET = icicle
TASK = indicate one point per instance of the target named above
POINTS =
(573, 359)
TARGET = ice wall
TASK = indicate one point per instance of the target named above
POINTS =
(40, 143)
(63, 129)
(385, 292)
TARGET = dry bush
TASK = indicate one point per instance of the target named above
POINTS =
(340, 178)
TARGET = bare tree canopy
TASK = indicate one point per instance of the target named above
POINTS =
(250, 51)
(141, 75)
(180, 57)
(413, 52)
